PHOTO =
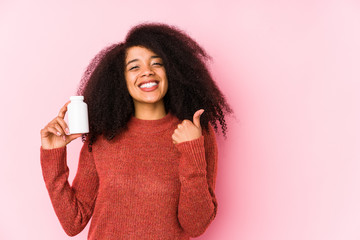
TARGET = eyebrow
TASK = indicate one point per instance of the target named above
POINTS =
(134, 60)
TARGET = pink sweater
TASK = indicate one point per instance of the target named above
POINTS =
(138, 185)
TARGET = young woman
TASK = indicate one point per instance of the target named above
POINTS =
(147, 168)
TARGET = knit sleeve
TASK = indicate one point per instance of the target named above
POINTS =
(74, 204)
(197, 172)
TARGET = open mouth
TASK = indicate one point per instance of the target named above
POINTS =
(148, 84)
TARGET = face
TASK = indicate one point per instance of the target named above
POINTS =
(145, 76)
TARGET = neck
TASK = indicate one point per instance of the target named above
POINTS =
(149, 111)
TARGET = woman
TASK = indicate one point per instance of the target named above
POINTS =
(147, 168)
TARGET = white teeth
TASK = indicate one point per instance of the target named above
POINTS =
(148, 85)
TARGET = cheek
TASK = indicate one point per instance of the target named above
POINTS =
(166, 83)
(129, 80)
(166, 86)
(129, 86)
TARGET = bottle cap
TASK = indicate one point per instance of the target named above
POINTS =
(77, 98)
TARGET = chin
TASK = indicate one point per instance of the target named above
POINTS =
(150, 100)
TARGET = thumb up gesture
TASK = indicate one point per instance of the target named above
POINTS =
(187, 130)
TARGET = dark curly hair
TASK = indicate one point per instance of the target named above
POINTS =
(190, 85)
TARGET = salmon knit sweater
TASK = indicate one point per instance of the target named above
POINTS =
(139, 185)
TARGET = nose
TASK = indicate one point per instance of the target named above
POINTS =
(147, 71)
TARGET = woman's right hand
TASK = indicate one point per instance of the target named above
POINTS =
(54, 134)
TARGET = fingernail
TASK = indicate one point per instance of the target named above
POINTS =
(67, 130)
(64, 138)
(59, 134)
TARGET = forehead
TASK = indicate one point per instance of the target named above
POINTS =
(138, 51)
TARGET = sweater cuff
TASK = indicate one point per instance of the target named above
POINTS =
(53, 161)
(193, 153)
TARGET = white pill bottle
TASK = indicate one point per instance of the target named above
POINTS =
(78, 115)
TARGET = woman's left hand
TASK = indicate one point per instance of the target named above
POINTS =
(187, 130)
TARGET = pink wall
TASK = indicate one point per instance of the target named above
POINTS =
(290, 69)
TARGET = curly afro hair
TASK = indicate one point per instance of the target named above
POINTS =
(190, 85)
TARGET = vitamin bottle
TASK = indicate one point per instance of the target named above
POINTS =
(78, 115)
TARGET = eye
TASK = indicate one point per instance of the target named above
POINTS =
(158, 64)
(134, 67)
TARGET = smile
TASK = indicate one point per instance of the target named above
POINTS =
(149, 86)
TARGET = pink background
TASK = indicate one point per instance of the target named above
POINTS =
(290, 166)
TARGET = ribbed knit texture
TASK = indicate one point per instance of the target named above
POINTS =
(138, 185)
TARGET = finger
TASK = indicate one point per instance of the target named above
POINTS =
(185, 121)
(50, 130)
(45, 132)
(174, 139)
(73, 136)
(196, 117)
(59, 130)
(63, 110)
(63, 124)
